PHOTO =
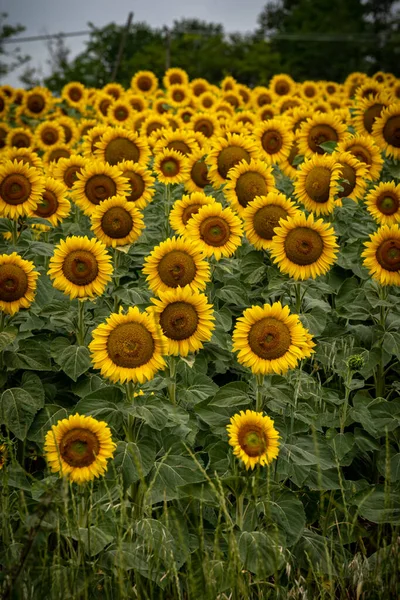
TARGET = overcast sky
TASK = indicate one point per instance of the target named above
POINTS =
(55, 16)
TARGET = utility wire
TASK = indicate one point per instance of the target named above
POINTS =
(38, 38)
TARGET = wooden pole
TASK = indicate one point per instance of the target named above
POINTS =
(121, 46)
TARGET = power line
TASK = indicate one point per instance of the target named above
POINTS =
(38, 38)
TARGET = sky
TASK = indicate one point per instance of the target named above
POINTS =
(55, 16)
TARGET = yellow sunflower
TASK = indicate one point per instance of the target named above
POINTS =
(287, 165)
(85, 125)
(113, 89)
(366, 151)
(254, 438)
(171, 166)
(368, 89)
(247, 118)
(101, 104)
(144, 82)
(246, 180)
(262, 96)
(282, 85)
(118, 144)
(317, 183)
(383, 203)
(141, 183)
(386, 130)
(79, 447)
(263, 214)
(199, 86)
(3, 455)
(245, 93)
(233, 98)
(67, 169)
(298, 116)
(366, 111)
(91, 139)
(319, 129)
(175, 76)
(53, 155)
(304, 248)
(185, 208)
(151, 123)
(98, 181)
(119, 112)
(81, 268)
(4, 105)
(273, 140)
(269, 339)
(180, 140)
(185, 114)
(49, 134)
(53, 205)
(353, 177)
(287, 103)
(382, 255)
(20, 137)
(267, 112)
(116, 222)
(37, 102)
(176, 262)
(137, 101)
(70, 129)
(186, 319)
(217, 231)
(128, 347)
(24, 155)
(198, 172)
(75, 94)
(206, 101)
(178, 95)
(17, 283)
(309, 90)
(21, 188)
(206, 123)
(227, 152)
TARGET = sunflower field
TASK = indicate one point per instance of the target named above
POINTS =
(200, 342)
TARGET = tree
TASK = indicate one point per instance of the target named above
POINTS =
(15, 58)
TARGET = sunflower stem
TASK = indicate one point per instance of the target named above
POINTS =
(167, 207)
(80, 334)
(298, 295)
(116, 261)
(172, 379)
(347, 383)
(14, 232)
(259, 392)
(380, 370)
(130, 389)
(2, 321)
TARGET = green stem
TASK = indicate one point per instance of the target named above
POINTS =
(297, 289)
(380, 370)
(130, 388)
(347, 383)
(2, 321)
(116, 261)
(239, 511)
(14, 232)
(259, 392)
(167, 208)
(172, 379)
(80, 334)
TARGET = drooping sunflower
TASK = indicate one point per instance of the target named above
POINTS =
(386, 130)
(116, 222)
(81, 268)
(53, 205)
(217, 231)
(269, 339)
(128, 347)
(366, 151)
(119, 112)
(75, 95)
(366, 111)
(141, 183)
(37, 102)
(383, 203)
(246, 180)
(67, 169)
(180, 140)
(144, 82)
(254, 438)
(382, 255)
(186, 319)
(282, 85)
(20, 137)
(176, 262)
(21, 187)
(317, 183)
(98, 181)
(304, 248)
(49, 134)
(320, 128)
(185, 208)
(225, 153)
(263, 214)
(18, 280)
(79, 447)
(198, 172)
(118, 144)
(171, 166)
(353, 177)
(24, 155)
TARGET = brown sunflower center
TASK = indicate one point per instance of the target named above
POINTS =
(361, 153)
(100, 187)
(178, 95)
(372, 113)
(36, 103)
(175, 78)
(189, 211)
(205, 127)
(15, 189)
(252, 440)
(48, 205)
(130, 345)
(137, 185)
(319, 134)
(121, 113)
(75, 94)
(70, 175)
(282, 88)
(179, 320)
(58, 153)
(199, 174)
(67, 132)
(391, 131)
(170, 167)
(120, 149)
(271, 141)
(80, 267)
(269, 338)
(144, 83)
(388, 255)
(303, 246)
(21, 140)
(85, 130)
(215, 231)
(387, 203)
(13, 283)
(117, 222)
(263, 99)
(180, 146)
(104, 106)
(266, 219)
(79, 447)
(249, 185)
(317, 184)
(177, 268)
(229, 157)
(49, 136)
(349, 183)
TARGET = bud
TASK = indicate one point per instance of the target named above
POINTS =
(355, 362)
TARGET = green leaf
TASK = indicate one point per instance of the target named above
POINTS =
(232, 394)
(45, 418)
(315, 551)
(288, 513)
(133, 461)
(379, 505)
(171, 472)
(33, 385)
(100, 409)
(233, 294)
(94, 539)
(328, 147)
(309, 451)
(196, 388)
(31, 356)
(7, 337)
(17, 410)
(74, 361)
(259, 553)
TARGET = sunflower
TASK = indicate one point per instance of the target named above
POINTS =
(91, 139)
(245, 93)
(160, 106)
(222, 110)
(309, 90)
(3, 455)
(366, 111)
(180, 140)
(140, 181)
(246, 117)
(246, 180)
(53, 205)
(353, 177)
(267, 112)
(262, 96)
(113, 89)
(144, 82)
(386, 130)
(185, 114)
(53, 155)
(273, 140)
(4, 129)
(298, 116)
(37, 102)
(287, 103)
(48, 134)
(66, 169)
(368, 89)
(382, 255)
(116, 222)
(207, 101)
(98, 181)
(171, 166)
(21, 187)
(137, 101)
(198, 172)
(282, 85)
(228, 83)
(304, 248)
(366, 151)
(199, 86)
(176, 262)
(178, 95)
(233, 98)
(254, 438)
(269, 339)
(128, 347)
(263, 214)
(24, 155)
(79, 447)
(119, 112)
(225, 153)
(118, 144)
(319, 129)
(75, 94)
(185, 208)
(85, 125)
(383, 203)
(186, 319)
(287, 165)
(152, 122)
(217, 230)
(70, 129)
(80, 267)
(20, 137)
(101, 104)
(17, 283)
(205, 122)
(317, 183)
